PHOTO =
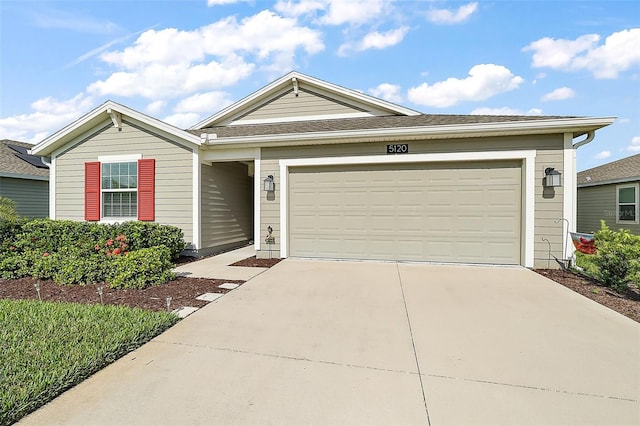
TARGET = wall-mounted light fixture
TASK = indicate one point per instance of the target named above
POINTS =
(552, 177)
(269, 184)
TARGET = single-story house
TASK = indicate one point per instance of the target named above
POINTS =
(610, 192)
(307, 168)
(24, 178)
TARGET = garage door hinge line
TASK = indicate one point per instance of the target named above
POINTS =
(413, 344)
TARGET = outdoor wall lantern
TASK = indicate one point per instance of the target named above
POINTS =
(269, 184)
(552, 177)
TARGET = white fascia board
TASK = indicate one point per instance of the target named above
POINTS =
(527, 156)
(301, 78)
(99, 115)
(428, 132)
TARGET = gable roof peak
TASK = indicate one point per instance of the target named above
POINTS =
(294, 79)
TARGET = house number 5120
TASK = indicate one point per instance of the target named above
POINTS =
(398, 148)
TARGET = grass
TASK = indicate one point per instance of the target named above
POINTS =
(46, 347)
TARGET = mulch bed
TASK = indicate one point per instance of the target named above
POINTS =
(627, 303)
(183, 292)
(257, 263)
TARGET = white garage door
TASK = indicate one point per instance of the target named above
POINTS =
(449, 212)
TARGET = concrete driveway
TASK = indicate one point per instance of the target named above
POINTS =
(364, 343)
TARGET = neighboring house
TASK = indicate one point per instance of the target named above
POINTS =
(24, 178)
(348, 176)
(610, 192)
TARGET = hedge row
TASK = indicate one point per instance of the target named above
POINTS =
(127, 255)
(52, 236)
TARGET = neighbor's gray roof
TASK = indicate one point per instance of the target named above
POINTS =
(11, 164)
(624, 170)
(365, 123)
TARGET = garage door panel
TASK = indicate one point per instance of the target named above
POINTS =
(460, 212)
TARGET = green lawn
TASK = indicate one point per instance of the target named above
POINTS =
(46, 348)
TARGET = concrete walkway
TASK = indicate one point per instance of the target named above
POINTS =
(218, 266)
(368, 343)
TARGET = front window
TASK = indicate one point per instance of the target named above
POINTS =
(120, 189)
(627, 198)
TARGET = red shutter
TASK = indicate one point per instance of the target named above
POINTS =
(146, 189)
(92, 190)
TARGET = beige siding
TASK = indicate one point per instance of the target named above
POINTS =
(31, 196)
(548, 204)
(226, 204)
(597, 203)
(174, 184)
(270, 209)
(292, 106)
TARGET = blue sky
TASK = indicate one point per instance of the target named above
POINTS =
(181, 61)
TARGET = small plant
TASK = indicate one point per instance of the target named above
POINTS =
(617, 258)
(595, 291)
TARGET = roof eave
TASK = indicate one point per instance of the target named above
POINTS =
(610, 181)
(577, 126)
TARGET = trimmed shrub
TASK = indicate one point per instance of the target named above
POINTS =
(141, 268)
(617, 258)
(14, 266)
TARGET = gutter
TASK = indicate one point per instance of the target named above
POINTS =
(590, 135)
(577, 125)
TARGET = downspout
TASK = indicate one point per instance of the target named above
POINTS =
(590, 135)
(571, 199)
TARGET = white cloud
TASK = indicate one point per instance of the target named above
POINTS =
(445, 16)
(559, 94)
(48, 113)
(300, 8)
(505, 111)
(156, 106)
(376, 40)
(618, 53)
(483, 82)
(635, 144)
(182, 120)
(335, 12)
(208, 103)
(602, 155)
(353, 11)
(171, 62)
(389, 92)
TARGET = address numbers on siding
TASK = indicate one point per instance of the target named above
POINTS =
(398, 148)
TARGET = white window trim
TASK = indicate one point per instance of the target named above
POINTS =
(636, 187)
(123, 158)
(527, 156)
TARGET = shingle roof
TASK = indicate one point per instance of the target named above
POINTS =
(365, 123)
(13, 162)
(624, 170)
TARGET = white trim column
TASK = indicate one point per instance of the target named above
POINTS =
(257, 198)
(52, 188)
(196, 173)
